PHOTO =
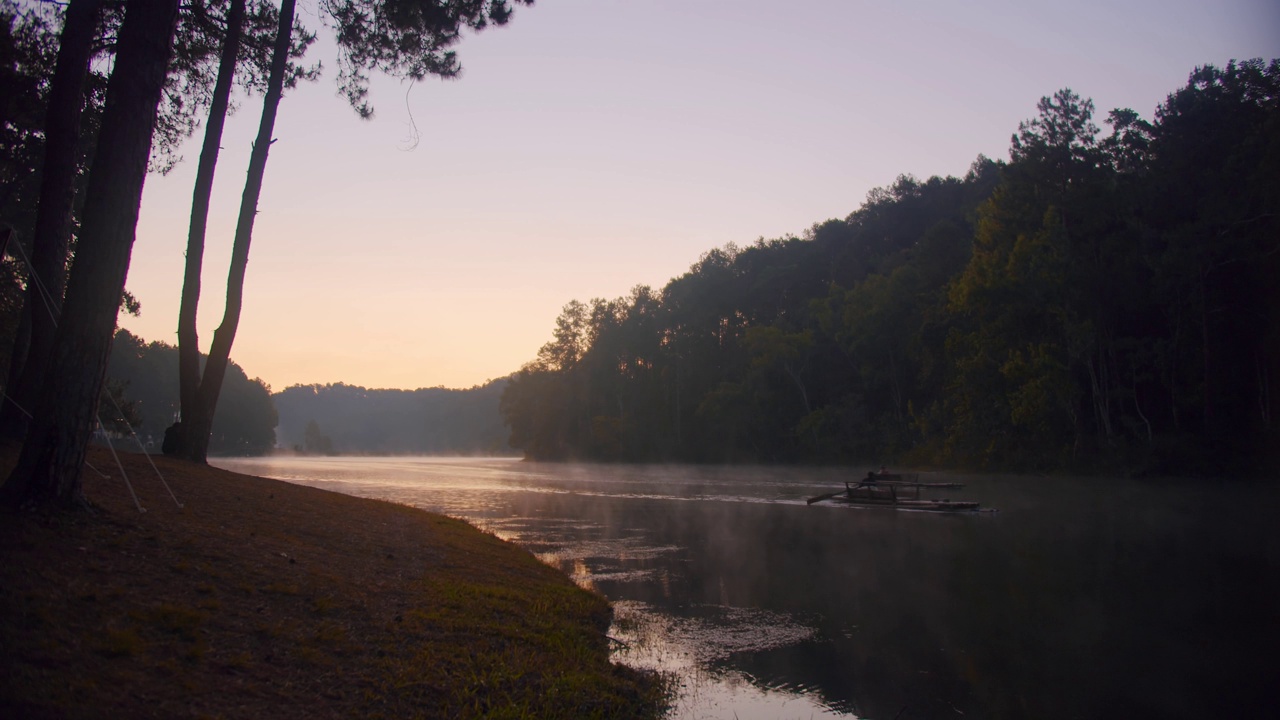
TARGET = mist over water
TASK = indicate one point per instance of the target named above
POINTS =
(1081, 597)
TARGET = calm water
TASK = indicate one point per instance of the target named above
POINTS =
(1079, 598)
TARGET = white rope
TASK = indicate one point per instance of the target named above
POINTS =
(91, 467)
(123, 474)
(15, 404)
(47, 298)
(143, 448)
(41, 289)
(24, 412)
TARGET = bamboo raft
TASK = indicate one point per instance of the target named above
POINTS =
(896, 491)
(905, 480)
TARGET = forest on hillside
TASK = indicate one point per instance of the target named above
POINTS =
(1100, 300)
(348, 419)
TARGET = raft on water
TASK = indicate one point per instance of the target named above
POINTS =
(900, 493)
(900, 479)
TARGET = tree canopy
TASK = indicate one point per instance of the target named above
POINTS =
(1099, 300)
(155, 47)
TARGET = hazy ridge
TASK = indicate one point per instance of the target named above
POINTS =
(427, 421)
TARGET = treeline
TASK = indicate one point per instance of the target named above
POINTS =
(347, 419)
(1098, 300)
(142, 394)
(142, 379)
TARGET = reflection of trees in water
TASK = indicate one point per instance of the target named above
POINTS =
(871, 582)
(1115, 606)
(1086, 600)
(1081, 598)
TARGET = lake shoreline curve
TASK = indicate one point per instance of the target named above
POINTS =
(262, 598)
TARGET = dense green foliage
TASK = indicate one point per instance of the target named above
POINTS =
(1099, 299)
(347, 419)
(145, 378)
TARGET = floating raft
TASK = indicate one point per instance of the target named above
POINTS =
(903, 494)
(910, 484)
(904, 480)
(896, 477)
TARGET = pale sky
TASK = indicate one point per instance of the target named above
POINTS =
(593, 145)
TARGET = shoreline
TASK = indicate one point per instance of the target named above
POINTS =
(259, 597)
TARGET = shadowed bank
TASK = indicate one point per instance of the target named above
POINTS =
(262, 598)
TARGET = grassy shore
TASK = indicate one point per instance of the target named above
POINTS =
(259, 598)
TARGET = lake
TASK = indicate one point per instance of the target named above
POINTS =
(1076, 598)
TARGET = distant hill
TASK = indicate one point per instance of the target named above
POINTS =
(428, 421)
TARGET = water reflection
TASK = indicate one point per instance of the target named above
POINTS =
(1081, 598)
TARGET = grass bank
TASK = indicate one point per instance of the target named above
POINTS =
(259, 598)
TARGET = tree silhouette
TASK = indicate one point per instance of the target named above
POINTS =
(49, 466)
(408, 39)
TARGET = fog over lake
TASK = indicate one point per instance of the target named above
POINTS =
(1075, 597)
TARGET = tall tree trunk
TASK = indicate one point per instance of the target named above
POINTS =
(188, 339)
(47, 276)
(48, 469)
(199, 426)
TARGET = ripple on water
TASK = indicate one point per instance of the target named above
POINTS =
(618, 576)
(691, 650)
(659, 641)
(616, 549)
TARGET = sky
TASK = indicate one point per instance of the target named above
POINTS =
(594, 145)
